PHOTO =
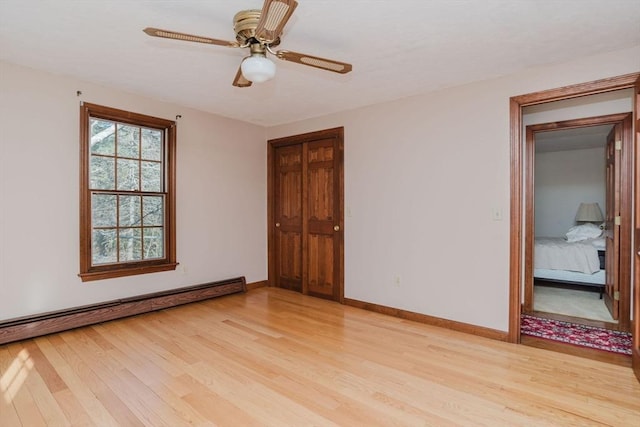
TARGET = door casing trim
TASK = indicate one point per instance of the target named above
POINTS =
(516, 217)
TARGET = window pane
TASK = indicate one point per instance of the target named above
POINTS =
(102, 173)
(128, 175)
(130, 244)
(129, 211)
(103, 247)
(103, 210)
(151, 144)
(102, 137)
(128, 141)
(153, 243)
(153, 207)
(151, 176)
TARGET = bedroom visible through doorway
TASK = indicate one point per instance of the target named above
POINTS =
(569, 174)
(577, 190)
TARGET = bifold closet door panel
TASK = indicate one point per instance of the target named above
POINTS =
(288, 217)
(321, 218)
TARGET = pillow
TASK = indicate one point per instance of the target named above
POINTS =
(583, 232)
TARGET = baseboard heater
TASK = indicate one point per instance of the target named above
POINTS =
(57, 321)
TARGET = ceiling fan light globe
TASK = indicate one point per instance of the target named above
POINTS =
(258, 69)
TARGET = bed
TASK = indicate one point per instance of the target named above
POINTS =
(559, 261)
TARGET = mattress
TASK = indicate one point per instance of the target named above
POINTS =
(553, 253)
(597, 278)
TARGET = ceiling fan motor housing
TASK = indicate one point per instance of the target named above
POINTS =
(244, 25)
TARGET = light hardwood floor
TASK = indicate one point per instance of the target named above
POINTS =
(277, 358)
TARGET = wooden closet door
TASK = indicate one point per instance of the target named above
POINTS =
(306, 244)
(323, 228)
(288, 217)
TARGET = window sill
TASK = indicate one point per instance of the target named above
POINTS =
(123, 272)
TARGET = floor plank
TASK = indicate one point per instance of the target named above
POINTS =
(21, 397)
(273, 358)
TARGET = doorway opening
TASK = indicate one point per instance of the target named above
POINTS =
(578, 176)
(519, 209)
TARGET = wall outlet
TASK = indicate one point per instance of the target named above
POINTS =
(396, 280)
(496, 214)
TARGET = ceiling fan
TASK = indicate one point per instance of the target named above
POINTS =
(260, 31)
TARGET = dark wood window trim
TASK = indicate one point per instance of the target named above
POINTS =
(87, 271)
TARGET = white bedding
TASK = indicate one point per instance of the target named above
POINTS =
(555, 253)
(599, 243)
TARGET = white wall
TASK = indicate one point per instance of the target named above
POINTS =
(422, 176)
(221, 195)
(563, 180)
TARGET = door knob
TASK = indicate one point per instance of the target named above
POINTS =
(277, 224)
(336, 228)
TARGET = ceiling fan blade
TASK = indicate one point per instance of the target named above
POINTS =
(275, 14)
(157, 32)
(315, 61)
(240, 81)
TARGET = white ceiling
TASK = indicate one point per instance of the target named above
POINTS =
(398, 48)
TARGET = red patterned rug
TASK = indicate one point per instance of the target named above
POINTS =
(573, 333)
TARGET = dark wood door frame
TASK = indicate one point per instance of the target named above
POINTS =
(635, 347)
(516, 248)
(626, 197)
(338, 134)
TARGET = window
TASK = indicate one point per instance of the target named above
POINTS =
(127, 193)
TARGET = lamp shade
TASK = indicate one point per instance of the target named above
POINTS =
(258, 69)
(589, 212)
